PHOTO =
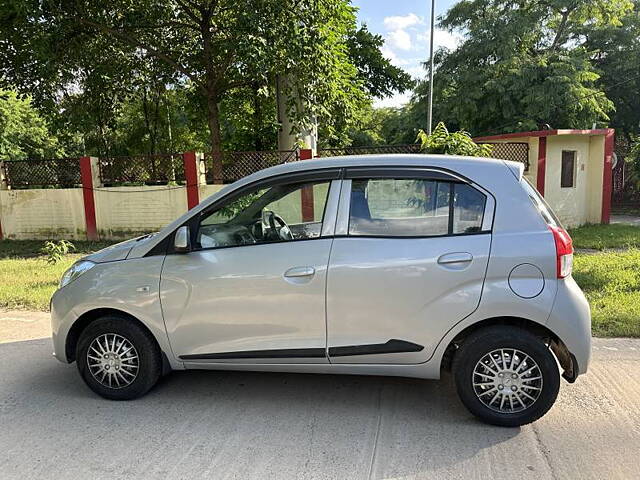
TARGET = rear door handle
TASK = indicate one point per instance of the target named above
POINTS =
(458, 257)
(300, 272)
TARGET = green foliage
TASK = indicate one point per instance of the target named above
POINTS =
(633, 159)
(239, 205)
(617, 59)
(457, 143)
(23, 132)
(56, 251)
(150, 76)
(378, 75)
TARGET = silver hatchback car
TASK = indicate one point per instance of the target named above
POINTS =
(402, 265)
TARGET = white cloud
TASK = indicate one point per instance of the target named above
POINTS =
(397, 100)
(393, 57)
(399, 39)
(401, 22)
(416, 71)
(441, 38)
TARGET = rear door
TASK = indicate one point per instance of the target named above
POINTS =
(408, 262)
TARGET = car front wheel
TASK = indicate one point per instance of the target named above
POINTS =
(506, 376)
(118, 359)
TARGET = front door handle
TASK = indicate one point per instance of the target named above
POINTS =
(458, 257)
(300, 272)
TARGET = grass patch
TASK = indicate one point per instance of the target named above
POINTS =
(28, 283)
(611, 282)
(602, 237)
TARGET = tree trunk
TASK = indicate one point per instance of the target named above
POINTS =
(213, 118)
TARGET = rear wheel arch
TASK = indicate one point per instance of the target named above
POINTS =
(565, 358)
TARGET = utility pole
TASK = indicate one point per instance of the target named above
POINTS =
(430, 105)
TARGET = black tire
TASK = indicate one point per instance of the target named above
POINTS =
(149, 360)
(481, 343)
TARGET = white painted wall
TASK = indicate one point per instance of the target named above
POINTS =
(572, 204)
(42, 214)
(126, 211)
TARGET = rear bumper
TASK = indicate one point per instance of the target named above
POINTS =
(570, 320)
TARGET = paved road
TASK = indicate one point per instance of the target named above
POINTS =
(628, 219)
(255, 425)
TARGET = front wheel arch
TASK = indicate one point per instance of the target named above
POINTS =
(87, 319)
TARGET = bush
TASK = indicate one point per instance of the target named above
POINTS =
(55, 251)
(457, 143)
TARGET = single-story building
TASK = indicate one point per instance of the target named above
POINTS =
(570, 168)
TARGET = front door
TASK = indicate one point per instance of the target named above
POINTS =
(252, 290)
(408, 262)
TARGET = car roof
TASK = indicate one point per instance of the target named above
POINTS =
(391, 160)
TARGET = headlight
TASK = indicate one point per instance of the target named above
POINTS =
(75, 271)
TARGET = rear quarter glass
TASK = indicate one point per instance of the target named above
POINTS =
(541, 205)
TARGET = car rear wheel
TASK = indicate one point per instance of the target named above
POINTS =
(118, 359)
(506, 376)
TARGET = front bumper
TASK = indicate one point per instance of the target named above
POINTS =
(62, 318)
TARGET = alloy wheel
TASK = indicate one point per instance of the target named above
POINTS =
(507, 380)
(113, 360)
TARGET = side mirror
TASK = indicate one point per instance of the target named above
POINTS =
(182, 240)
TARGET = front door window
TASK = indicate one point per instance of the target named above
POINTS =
(264, 215)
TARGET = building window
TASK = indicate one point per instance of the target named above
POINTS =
(568, 172)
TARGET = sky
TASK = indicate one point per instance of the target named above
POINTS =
(404, 24)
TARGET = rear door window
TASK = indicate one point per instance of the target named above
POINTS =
(409, 207)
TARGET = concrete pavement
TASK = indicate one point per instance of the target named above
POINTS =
(16, 325)
(254, 425)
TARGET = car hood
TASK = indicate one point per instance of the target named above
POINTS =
(119, 251)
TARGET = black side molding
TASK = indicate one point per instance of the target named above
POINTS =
(284, 353)
(392, 346)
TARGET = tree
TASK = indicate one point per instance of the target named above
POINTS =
(213, 46)
(522, 65)
(618, 61)
(23, 132)
(376, 72)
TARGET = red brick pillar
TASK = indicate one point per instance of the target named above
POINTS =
(307, 192)
(88, 165)
(191, 175)
(542, 164)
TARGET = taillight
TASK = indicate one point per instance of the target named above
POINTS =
(564, 251)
